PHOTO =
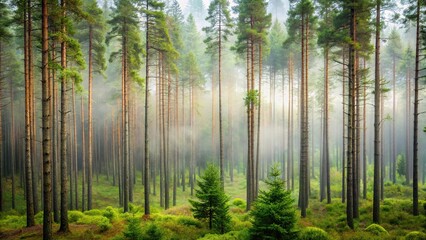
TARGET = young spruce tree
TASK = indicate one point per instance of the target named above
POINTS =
(273, 214)
(212, 201)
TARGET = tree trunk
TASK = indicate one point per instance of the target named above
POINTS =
(146, 161)
(351, 111)
(222, 173)
(28, 165)
(90, 129)
(377, 125)
(290, 182)
(83, 157)
(416, 117)
(64, 110)
(47, 188)
(1, 131)
(75, 162)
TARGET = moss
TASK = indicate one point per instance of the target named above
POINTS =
(416, 235)
(313, 233)
(376, 229)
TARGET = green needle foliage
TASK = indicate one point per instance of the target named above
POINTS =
(273, 214)
(212, 201)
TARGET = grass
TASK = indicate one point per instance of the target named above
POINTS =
(107, 220)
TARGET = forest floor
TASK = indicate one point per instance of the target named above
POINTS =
(106, 220)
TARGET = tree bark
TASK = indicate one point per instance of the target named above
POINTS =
(46, 143)
(64, 111)
(28, 156)
(146, 161)
(90, 129)
(416, 116)
(377, 119)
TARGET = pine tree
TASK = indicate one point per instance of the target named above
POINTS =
(92, 32)
(301, 23)
(212, 203)
(125, 27)
(217, 33)
(274, 216)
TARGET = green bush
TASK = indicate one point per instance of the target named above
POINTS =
(133, 230)
(153, 232)
(238, 202)
(39, 218)
(74, 216)
(13, 222)
(94, 212)
(313, 233)
(415, 236)
(376, 229)
(189, 221)
(233, 235)
(100, 221)
(110, 213)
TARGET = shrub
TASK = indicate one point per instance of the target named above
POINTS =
(238, 202)
(100, 221)
(313, 233)
(74, 216)
(376, 229)
(39, 218)
(110, 213)
(94, 212)
(233, 235)
(13, 222)
(415, 236)
(189, 221)
(133, 230)
(153, 232)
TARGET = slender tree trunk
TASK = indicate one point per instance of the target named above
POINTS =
(90, 129)
(393, 174)
(377, 120)
(64, 111)
(126, 128)
(146, 161)
(290, 125)
(83, 157)
(416, 116)
(364, 138)
(257, 165)
(1, 131)
(12, 144)
(222, 173)
(343, 127)
(350, 151)
(75, 163)
(303, 117)
(47, 132)
(55, 141)
(28, 156)
(326, 136)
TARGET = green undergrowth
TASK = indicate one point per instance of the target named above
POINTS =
(107, 220)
